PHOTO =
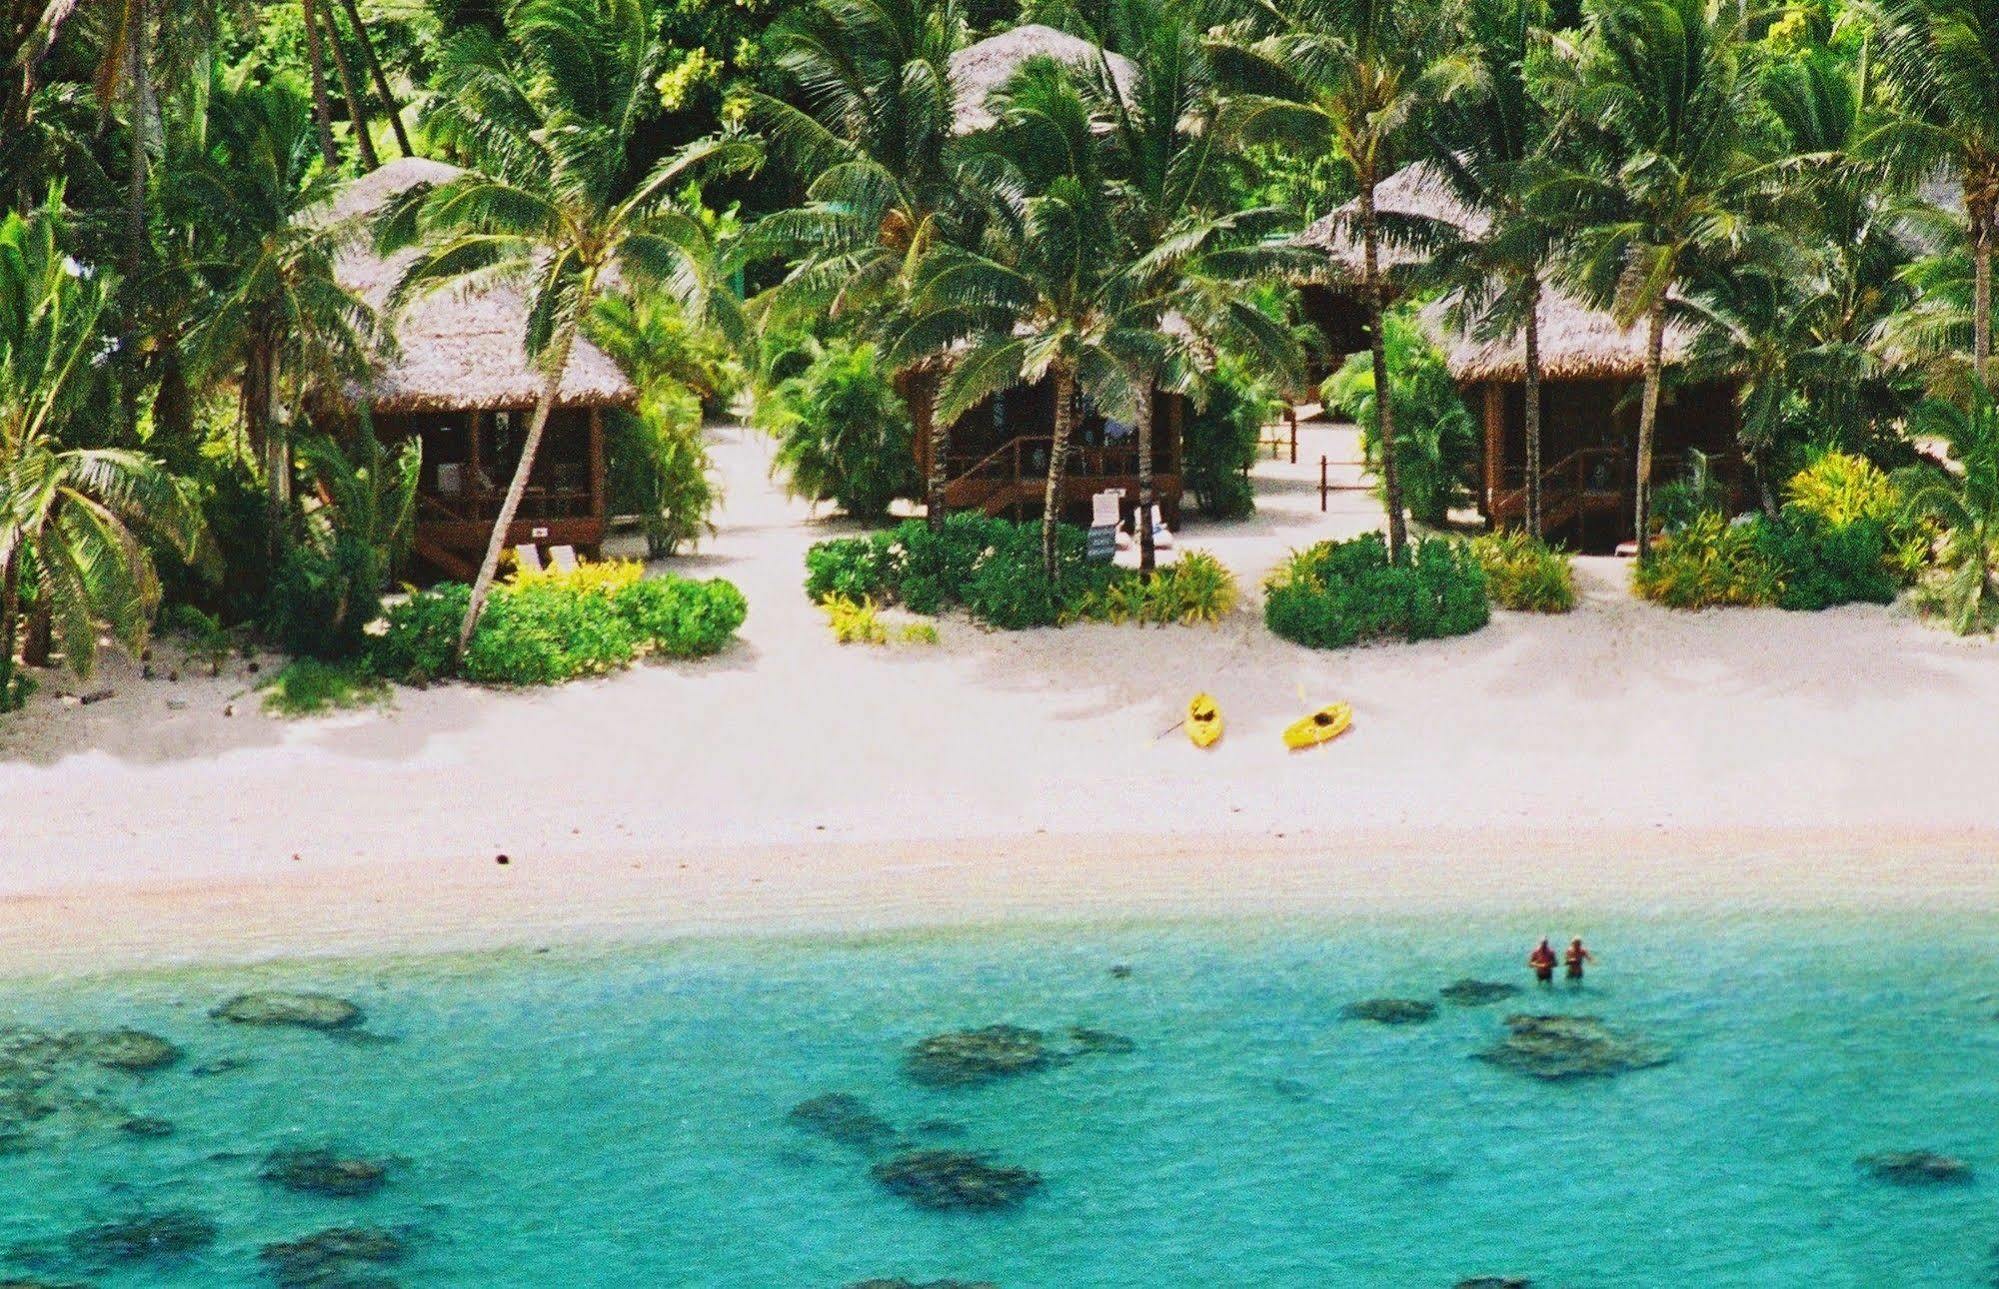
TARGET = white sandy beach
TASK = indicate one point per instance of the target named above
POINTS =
(1622, 753)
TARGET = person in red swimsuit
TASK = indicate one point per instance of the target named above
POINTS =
(1575, 958)
(1543, 961)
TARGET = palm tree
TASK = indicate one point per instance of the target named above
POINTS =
(876, 141)
(1964, 501)
(1491, 135)
(1044, 296)
(1347, 79)
(547, 118)
(1798, 331)
(70, 516)
(1941, 61)
(1666, 183)
(274, 317)
(1174, 210)
(381, 79)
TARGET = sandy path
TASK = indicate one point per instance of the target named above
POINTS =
(1857, 728)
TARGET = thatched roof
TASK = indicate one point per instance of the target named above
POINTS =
(1576, 341)
(1417, 190)
(455, 349)
(980, 70)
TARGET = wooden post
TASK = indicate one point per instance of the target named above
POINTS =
(599, 505)
(1322, 484)
(475, 481)
(1495, 445)
(1291, 415)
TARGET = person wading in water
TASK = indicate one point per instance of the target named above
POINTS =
(1543, 961)
(1575, 958)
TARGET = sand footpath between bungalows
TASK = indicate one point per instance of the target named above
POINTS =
(1622, 755)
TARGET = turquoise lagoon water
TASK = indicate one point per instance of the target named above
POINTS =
(619, 1118)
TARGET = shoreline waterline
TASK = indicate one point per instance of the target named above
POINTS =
(473, 903)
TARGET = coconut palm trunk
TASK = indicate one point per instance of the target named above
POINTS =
(1532, 412)
(1058, 468)
(380, 77)
(10, 615)
(357, 116)
(1141, 402)
(1384, 412)
(489, 567)
(1648, 420)
(322, 107)
(1981, 292)
(138, 83)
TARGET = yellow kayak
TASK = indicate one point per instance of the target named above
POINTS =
(1322, 726)
(1204, 720)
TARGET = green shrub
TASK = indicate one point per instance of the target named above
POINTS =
(1524, 573)
(1841, 487)
(1337, 594)
(854, 621)
(843, 432)
(1008, 587)
(322, 599)
(1196, 589)
(422, 632)
(1436, 439)
(545, 630)
(858, 568)
(1709, 563)
(1218, 442)
(308, 687)
(545, 633)
(1825, 564)
(681, 618)
(206, 637)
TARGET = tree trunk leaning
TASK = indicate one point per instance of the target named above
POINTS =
(1377, 343)
(1058, 470)
(357, 116)
(1532, 418)
(1648, 420)
(482, 586)
(380, 77)
(322, 108)
(1142, 409)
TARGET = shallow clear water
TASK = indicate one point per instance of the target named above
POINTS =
(620, 1118)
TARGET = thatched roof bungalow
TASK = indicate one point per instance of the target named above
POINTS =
(457, 377)
(1590, 368)
(996, 455)
(980, 70)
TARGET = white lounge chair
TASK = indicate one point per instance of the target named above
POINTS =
(1162, 536)
(563, 558)
(527, 559)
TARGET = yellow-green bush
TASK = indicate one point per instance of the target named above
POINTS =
(853, 621)
(1196, 590)
(1524, 573)
(1707, 564)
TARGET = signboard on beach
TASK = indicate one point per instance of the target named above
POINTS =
(1103, 544)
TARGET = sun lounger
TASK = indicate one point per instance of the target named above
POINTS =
(527, 559)
(1162, 536)
(563, 558)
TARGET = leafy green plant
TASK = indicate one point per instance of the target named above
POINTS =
(1964, 504)
(843, 432)
(1524, 573)
(310, 687)
(918, 633)
(545, 633)
(206, 637)
(1435, 437)
(1696, 492)
(1218, 443)
(1197, 589)
(1709, 563)
(1824, 564)
(420, 636)
(853, 567)
(854, 621)
(1841, 488)
(1337, 594)
(351, 526)
(681, 618)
